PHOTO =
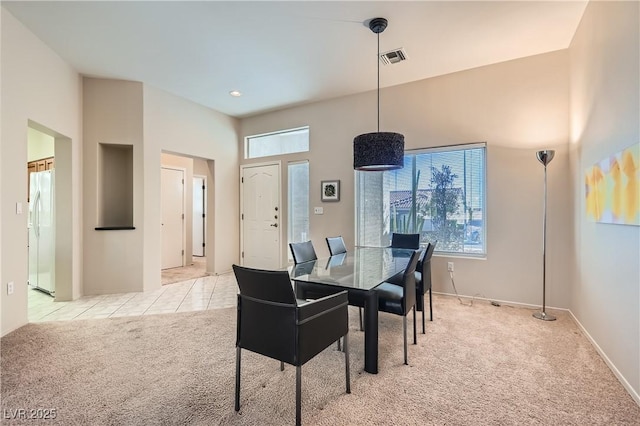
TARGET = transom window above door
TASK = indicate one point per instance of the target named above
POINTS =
(277, 143)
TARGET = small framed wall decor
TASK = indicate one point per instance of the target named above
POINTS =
(330, 190)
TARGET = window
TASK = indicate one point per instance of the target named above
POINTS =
(278, 143)
(440, 194)
(298, 196)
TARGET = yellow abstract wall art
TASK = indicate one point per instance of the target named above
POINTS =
(612, 188)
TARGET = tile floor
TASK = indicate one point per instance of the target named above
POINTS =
(210, 292)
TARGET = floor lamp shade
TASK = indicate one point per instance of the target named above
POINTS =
(378, 151)
(545, 157)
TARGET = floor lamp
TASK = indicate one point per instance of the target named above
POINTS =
(545, 158)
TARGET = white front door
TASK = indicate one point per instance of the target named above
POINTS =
(261, 216)
(172, 196)
(198, 215)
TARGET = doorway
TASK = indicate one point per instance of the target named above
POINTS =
(260, 216)
(196, 227)
(172, 205)
(40, 198)
(46, 144)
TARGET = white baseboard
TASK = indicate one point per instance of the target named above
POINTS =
(502, 302)
(610, 364)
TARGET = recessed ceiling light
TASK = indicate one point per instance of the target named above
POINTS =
(235, 93)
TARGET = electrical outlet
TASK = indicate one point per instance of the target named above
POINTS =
(318, 210)
(450, 266)
(10, 287)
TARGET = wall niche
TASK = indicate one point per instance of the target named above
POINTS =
(115, 187)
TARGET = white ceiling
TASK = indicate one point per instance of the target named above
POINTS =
(280, 54)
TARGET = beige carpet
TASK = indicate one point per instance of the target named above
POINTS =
(196, 270)
(479, 365)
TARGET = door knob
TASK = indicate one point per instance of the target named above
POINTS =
(275, 225)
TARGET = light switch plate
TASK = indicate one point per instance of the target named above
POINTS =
(318, 210)
(18, 207)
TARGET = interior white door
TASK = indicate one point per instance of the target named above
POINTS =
(172, 196)
(198, 216)
(261, 216)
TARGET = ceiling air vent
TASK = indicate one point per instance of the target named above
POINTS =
(393, 56)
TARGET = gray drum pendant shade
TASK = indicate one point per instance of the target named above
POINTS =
(378, 151)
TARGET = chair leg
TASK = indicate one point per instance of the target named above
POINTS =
(423, 332)
(360, 312)
(415, 341)
(404, 329)
(346, 361)
(238, 378)
(298, 397)
(281, 366)
(339, 349)
(430, 305)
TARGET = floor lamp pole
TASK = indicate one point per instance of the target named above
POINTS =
(545, 158)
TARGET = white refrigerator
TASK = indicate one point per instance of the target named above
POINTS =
(41, 232)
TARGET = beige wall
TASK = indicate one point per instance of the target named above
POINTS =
(517, 107)
(605, 111)
(112, 114)
(37, 85)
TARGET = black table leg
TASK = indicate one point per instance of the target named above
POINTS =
(371, 332)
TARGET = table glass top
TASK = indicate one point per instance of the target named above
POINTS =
(363, 268)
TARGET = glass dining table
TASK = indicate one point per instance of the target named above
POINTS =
(359, 272)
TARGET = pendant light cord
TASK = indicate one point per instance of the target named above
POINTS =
(378, 61)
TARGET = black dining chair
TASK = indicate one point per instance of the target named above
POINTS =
(423, 281)
(400, 299)
(336, 245)
(406, 241)
(337, 248)
(273, 323)
(302, 252)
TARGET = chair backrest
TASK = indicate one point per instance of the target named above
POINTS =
(272, 286)
(409, 280)
(302, 252)
(424, 267)
(336, 245)
(407, 241)
(429, 251)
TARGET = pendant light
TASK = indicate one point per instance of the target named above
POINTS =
(378, 151)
